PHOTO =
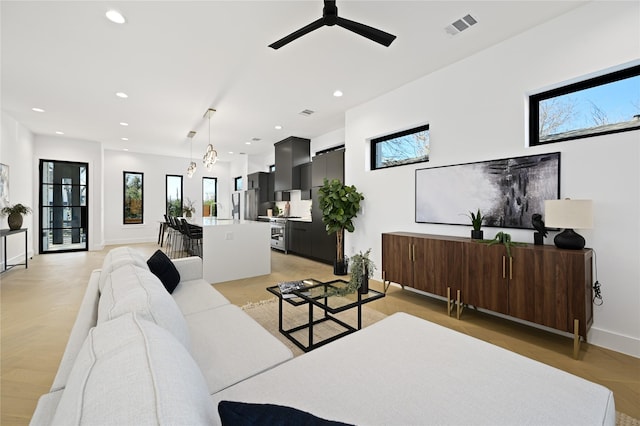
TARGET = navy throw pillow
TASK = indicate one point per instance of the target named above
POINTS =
(245, 414)
(163, 268)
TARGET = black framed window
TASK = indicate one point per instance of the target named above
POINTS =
(237, 183)
(209, 196)
(173, 190)
(132, 198)
(400, 148)
(272, 168)
(597, 106)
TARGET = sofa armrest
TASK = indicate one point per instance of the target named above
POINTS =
(86, 319)
(190, 268)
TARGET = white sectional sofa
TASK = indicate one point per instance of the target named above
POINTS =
(137, 363)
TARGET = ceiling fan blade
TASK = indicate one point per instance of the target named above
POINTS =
(371, 33)
(297, 34)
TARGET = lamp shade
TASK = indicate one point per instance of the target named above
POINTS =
(571, 214)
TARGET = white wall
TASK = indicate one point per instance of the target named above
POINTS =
(16, 151)
(155, 169)
(476, 111)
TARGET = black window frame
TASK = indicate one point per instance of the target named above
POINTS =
(126, 219)
(166, 189)
(237, 180)
(375, 141)
(535, 99)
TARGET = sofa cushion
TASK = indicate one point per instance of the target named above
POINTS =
(229, 346)
(162, 267)
(133, 289)
(130, 371)
(197, 296)
(245, 414)
(118, 257)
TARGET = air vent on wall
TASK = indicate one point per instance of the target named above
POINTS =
(460, 25)
(306, 112)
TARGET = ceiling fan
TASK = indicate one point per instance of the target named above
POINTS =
(330, 18)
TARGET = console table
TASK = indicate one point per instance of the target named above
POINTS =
(4, 233)
(540, 284)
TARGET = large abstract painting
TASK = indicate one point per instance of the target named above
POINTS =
(4, 185)
(507, 191)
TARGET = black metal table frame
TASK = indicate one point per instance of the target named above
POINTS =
(6, 232)
(329, 313)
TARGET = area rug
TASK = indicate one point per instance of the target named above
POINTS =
(623, 420)
(266, 313)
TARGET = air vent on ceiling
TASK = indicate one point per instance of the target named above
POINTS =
(460, 25)
(306, 112)
(256, 139)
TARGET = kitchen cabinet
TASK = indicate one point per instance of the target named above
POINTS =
(260, 181)
(271, 192)
(540, 284)
(328, 165)
(302, 179)
(299, 238)
(324, 245)
(289, 153)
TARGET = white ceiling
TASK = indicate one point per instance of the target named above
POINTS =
(175, 59)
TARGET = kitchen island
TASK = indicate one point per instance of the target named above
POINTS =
(234, 249)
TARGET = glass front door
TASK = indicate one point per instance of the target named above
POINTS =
(63, 206)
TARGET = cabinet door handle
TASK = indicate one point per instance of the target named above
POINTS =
(510, 267)
(413, 250)
(504, 263)
(410, 258)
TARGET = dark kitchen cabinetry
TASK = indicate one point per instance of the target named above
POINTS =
(299, 234)
(328, 165)
(302, 179)
(260, 181)
(324, 245)
(279, 195)
(289, 153)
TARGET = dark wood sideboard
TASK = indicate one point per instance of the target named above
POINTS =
(539, 284)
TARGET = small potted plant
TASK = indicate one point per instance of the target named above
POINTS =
(476, 222)
(361, 270)
(15, 213)
(339, 204)
(189, 208)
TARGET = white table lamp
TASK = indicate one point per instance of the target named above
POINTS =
(570, 215)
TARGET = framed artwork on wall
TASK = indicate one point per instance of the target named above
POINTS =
(507, 191)
(4, 185)
(133, 201)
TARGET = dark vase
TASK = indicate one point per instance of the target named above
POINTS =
(340, 267)
(477, 235)
(15, 221)
(364, 286)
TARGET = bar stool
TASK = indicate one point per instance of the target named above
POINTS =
(193, 234)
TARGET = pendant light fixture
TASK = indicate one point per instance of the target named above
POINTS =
(192, 165)
(211, 155)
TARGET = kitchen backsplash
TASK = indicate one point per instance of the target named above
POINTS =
(297, 207)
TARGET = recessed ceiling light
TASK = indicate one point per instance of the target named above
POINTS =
(125, 149)
(231, 152)
(59, 132)
(122, 95)
(337, 93)
(278, 127)
(125, 139)
(115, 17)
(247, 143)
(122, 123)
(37, 109)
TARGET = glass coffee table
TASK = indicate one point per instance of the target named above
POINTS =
(317, 294)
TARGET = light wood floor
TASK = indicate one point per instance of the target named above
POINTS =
(39, 305)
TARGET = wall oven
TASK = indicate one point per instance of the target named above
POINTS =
(279, 234)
